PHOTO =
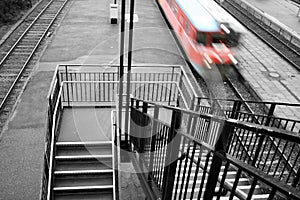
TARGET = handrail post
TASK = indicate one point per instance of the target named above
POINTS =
(258, 148)
(296, 179)
(262, 137)
(171, 156)
(235, 109)
(132, 130)
(143, 133)
(216, 163)
(180, 87)
(192, 121)
(270, 114)
(66, 69)
(169, 101)
(153, 142)
(234, 115)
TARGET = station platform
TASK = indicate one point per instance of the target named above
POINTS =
(271, 77)
(286, 12)
(86, 36)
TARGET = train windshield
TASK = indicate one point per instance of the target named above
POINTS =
(208, 39)
(201, 38)
(218, 38)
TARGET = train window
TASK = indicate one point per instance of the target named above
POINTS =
(187, 27)
(181, 19)
(175, 10)
(201, 38)
(218, 38)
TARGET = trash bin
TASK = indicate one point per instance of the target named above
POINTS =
(113, 13)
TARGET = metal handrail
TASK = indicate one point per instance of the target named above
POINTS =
(52, 143)
(136, 66)
(270, 131)
(251, 101)
(257, 129)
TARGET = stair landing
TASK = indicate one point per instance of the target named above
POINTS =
(85, 124)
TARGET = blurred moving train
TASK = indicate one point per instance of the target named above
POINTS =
(202, 35)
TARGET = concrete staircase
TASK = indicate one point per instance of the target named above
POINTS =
(84, 170)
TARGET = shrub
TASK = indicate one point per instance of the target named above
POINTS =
(10, 9)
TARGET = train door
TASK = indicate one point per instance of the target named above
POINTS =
(192, 33)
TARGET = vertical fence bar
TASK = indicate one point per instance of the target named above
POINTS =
(296, 179)
(171, 86)
(190, 117)
(143, 133)
(270, 114)
(216, 163)
(180, 87)
(258, 148)
(235, 109)
(66, 71)
(171, 157)
(153, 142)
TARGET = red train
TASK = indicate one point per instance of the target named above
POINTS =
(200, 34)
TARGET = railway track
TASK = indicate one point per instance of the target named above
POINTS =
(16, 64)
(277, 42)
(280, 155)
(277, 149)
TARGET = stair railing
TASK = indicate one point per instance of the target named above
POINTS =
(159, 144)
(54, 116)
(283, 151)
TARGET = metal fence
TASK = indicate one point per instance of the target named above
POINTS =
(97, 85)
(181, 162)
(273, 151)
(152, 131)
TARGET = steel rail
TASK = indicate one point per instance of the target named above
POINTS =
(32, 52)
(24, 33)
(18, 24)
(274, 144)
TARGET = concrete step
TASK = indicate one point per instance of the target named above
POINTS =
(103, 195)
(83, 178)
(83, 148)
(77, 165)
(79, 190)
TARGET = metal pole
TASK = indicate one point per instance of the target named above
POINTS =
(129, 68)
(121, 70)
